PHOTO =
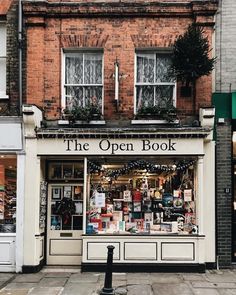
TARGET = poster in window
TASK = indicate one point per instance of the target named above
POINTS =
(187, 195)
(78, 192)
(56, 193)
(67, 191)
(137, 206)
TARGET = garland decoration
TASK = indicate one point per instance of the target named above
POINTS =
(140, 165)
(65, 208)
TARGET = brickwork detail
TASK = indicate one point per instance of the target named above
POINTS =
(224, 201)
(119, 37)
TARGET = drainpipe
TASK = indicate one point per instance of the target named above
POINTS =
(20, 55)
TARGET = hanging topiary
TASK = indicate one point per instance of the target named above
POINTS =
(191, 56)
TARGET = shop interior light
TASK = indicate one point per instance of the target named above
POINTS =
(2, 156)
(234, 137)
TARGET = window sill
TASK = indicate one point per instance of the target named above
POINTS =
(152, 121)
(93, 122)
(3, 96)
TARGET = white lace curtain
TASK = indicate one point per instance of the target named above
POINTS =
(83, 78)
(153, 77)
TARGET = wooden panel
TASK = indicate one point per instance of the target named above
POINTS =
(140, 251)
(65, 247)
(6, 252)
(98, 250)
(177, 251)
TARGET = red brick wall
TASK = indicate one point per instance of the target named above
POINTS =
(118, 36)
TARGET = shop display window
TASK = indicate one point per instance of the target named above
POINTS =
(7, 194)
(65, 171)
(66, 207)
(153, 196)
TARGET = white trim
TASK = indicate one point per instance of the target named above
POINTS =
(20, 212)
(63, 75)
(63, 92)
(154, 84)
(85, 195)
(153, 122)
(92, 122)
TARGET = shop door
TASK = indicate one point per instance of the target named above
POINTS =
(64, 224)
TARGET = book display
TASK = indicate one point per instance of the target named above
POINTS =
(141, 202)
(7, 199)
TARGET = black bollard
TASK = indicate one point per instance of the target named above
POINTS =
(107, 289)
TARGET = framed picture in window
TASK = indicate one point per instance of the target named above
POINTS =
(78, 192)
(56, 193)
(67, 191)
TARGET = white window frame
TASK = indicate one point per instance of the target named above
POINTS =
(154, 52)
(66, 53)
(3, 56)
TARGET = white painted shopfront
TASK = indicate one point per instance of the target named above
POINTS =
(11, 194)
(83, 165)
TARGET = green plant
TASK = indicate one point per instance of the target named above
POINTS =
(191, 56)
(81, 113)
(169, 114)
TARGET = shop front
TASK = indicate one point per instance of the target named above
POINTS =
(11, 195)
(149, 193)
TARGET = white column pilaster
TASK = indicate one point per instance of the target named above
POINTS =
(200, 197)
(20, 211)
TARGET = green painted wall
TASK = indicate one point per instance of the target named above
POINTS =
(222, 103)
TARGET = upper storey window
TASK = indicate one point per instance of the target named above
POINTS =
(83, 82)
(154, 84)
(3, 58)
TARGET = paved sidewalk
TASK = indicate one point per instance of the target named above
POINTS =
(66, 282)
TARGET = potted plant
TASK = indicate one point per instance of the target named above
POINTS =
(155, 112)
(191, 59)
(80, 113)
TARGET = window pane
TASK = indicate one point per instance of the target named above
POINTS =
(3, 75)
(74, 69)
(93, 95)
(163, 63)
(74, 96)
(145, 68)
(2, 40)
(92, 68)
(145, 96)
(164, 96)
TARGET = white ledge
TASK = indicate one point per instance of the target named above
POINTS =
(93, 122)
(154, 122)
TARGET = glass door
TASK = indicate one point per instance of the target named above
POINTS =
(65, 214)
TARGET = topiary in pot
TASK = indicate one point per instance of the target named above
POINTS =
(191, 58)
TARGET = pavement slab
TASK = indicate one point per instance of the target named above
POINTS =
(45, 291)
(194, 277)
(140, 290)
(171, 289)
(206, 292)
(209, 285)
(227, 291)
(83, 278)
(79, 289)
(225, 277)
(165, 278)
(57, 275)
(28, 278)
(14, 292)
(121, 291)
(6, 276)
(18, 286)
(53, 282)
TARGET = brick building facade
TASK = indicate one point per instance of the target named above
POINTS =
(11, 145)
(224, 101)
(112, 171)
